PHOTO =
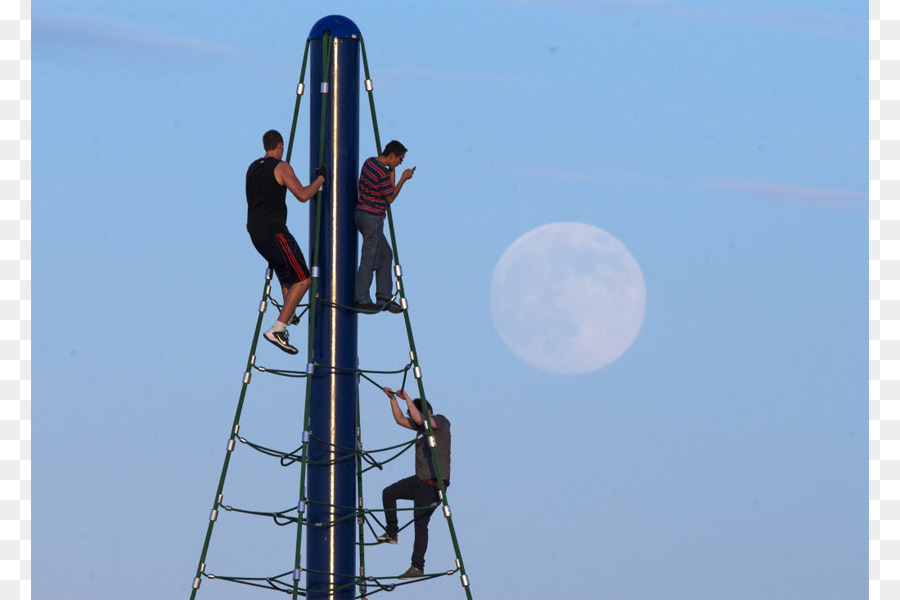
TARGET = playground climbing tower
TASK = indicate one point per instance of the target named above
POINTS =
(332, 521)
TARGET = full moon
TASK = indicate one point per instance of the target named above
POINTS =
(568, 298)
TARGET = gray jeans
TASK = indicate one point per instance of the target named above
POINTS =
(376, 257)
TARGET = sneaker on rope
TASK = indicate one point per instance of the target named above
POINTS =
(295, 320)
(280, 339)
(366, 307)
(387, 538)
(389, 305)
(412, 573)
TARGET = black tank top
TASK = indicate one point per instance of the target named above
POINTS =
(266, 209)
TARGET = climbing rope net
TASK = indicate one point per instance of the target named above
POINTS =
(369, 520)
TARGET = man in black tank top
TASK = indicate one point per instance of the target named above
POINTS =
(268, 179)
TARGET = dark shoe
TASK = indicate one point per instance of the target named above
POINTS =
(387, 538)
(412, 573)
(389, 305)
(280, 339)
(365, 306)
(295, 320)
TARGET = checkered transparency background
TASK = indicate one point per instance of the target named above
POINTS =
(15, 299)
(15, 293)
(884, 300)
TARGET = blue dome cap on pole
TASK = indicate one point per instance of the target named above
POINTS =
(337, 26)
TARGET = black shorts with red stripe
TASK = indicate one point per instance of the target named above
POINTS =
(284, 256)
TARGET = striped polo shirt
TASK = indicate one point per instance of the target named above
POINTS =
(374, 185)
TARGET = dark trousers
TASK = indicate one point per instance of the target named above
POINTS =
(423, 497)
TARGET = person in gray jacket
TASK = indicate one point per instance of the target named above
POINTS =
(423, 487)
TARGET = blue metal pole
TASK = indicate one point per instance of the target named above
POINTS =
(331, 473)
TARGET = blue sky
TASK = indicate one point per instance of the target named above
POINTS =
(723, 143)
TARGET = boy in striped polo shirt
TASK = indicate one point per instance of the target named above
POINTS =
(377, 189)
